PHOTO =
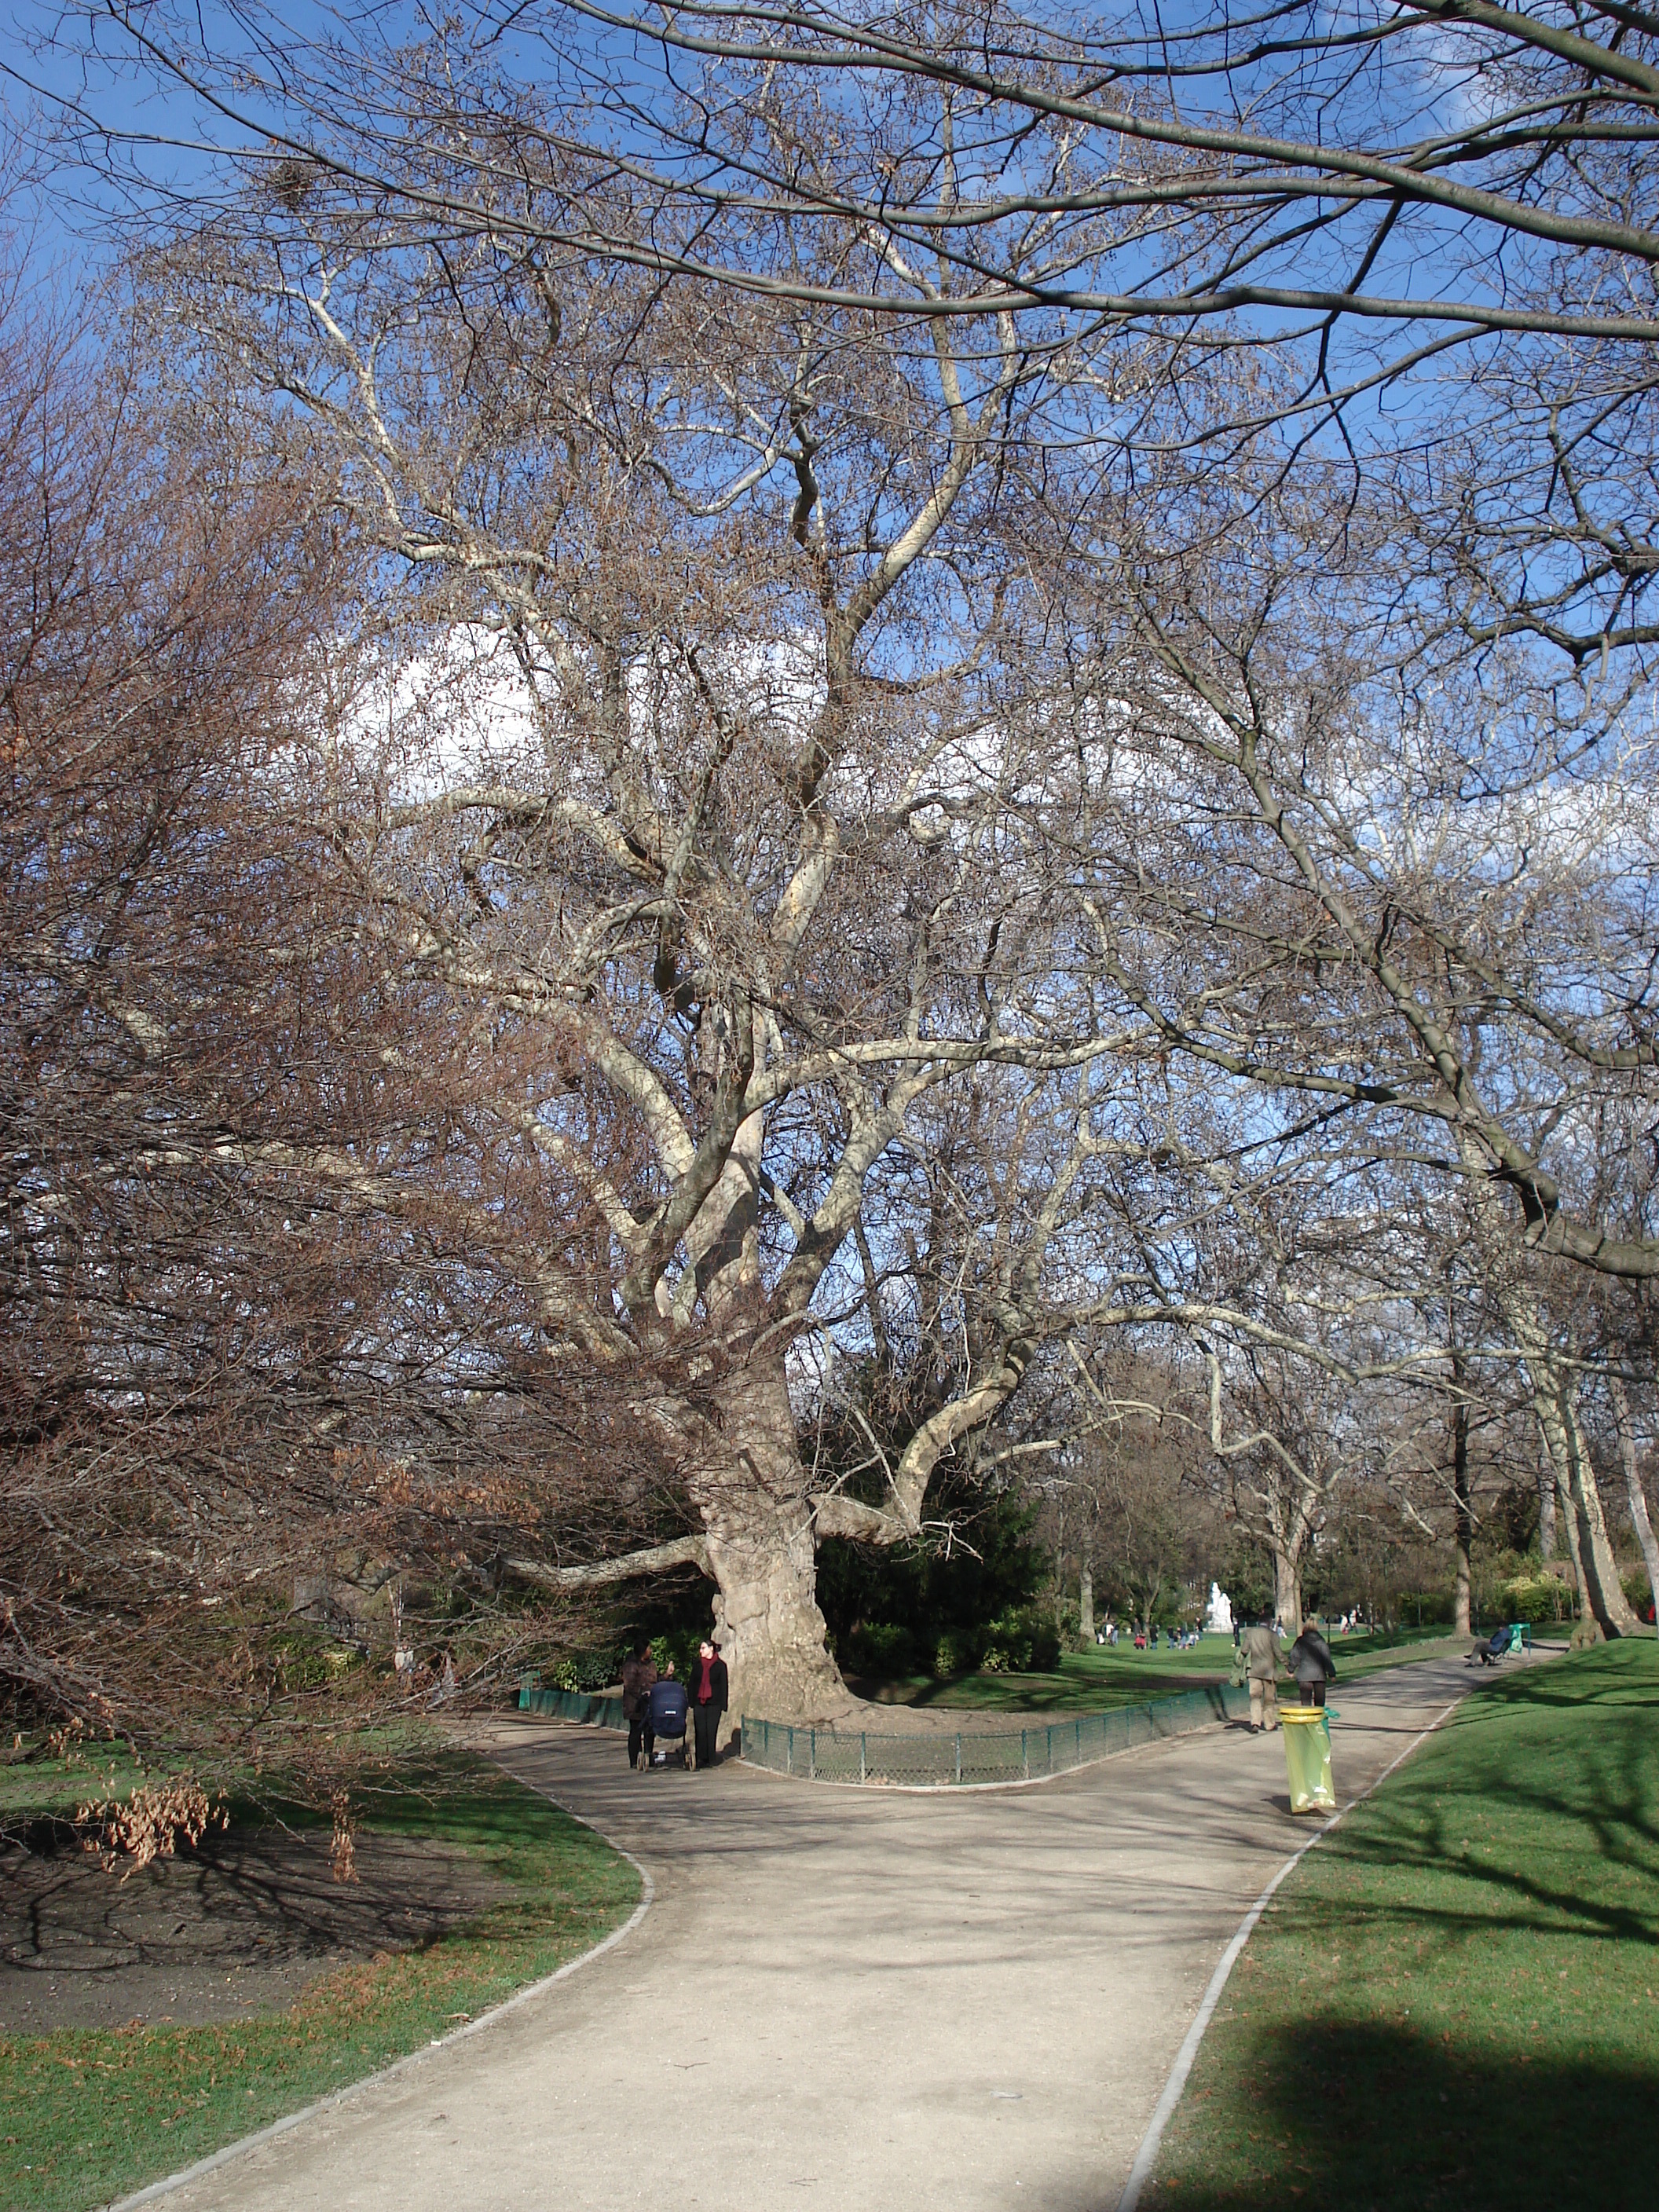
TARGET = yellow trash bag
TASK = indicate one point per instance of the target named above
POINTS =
(1307, 1757)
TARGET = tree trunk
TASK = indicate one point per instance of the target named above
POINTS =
(1059, 1564)
(1557, 1482)
(1463, 1517)
(1612, 1607)
(1085, 1605)
(1545, 1508)
(1554, 1394)
(1640, 1519)
(762, 1553)
(1287, 1591)
(1580, 1500)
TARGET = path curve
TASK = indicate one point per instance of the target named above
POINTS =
(855, 2001)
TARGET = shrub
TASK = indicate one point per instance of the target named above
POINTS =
(877, 1647)
(679, 1645)
(1534, 1599)
(1412, 1608)
(1022, 1641)
(585, 1672)
(311, 1663)
(958, 1651)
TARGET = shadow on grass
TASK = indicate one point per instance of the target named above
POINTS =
(1107, 1677)
(1510, 1827)
(1373, 2118)
(1068, 1693)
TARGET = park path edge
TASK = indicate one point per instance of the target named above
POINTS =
(153, 2191)
(1164, 2111)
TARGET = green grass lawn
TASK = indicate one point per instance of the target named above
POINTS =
(1094, 1681)
(1454, 2001)
(58, 1785)
(86, 2116)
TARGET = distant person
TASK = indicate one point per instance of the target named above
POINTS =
(1259, 1645)
(709, 1687)
(1309, 1660)
(638, 1675)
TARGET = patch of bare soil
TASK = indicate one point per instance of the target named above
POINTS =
(237, 1926)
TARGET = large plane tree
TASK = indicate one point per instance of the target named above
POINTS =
(704, 809)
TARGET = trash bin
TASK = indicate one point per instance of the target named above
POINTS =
(1307, 1757)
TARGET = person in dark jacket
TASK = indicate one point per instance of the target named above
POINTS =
(1309, 1660)
(638, 1675)
(708, 1687)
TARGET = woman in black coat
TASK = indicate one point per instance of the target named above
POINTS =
(709, 1689)
(1309, 1660)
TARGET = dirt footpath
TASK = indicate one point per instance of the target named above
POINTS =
(846, 1999)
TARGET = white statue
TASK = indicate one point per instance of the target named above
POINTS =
(1218, 1616)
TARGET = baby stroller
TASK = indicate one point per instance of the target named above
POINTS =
(669, 1707)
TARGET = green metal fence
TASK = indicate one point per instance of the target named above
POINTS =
(572, 1705)
(942, 1760)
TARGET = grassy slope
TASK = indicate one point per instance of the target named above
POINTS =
(86, 2116)
(1094, 1681)
(1455, 2000)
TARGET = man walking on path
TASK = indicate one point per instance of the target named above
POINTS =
(1261, 1656)
(1310, 1662)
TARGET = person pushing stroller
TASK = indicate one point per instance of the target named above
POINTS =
(639, 1676)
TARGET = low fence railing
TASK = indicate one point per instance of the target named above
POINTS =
(943, 1760)
(572, 1705)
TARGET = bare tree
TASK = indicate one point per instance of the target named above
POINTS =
(967, 637)
(1641, 1519)
(696, 795)
(227, 1379)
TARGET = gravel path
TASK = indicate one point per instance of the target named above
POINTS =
(846, 1999)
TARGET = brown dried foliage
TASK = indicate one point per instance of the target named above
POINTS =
(263, 1397)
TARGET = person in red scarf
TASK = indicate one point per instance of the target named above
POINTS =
(708, 1688)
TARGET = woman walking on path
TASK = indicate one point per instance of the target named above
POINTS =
(638, 1675)
(1309, 1660)
(709, 1696)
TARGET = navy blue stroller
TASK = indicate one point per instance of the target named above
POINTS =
(669, 1706)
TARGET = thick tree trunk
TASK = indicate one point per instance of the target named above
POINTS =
(1587, 1532)
(1085, 1605)
(1612, 1608)
(1554, 1395)
(1569, 1519)
(758, 1523)
(1545, 1508)
(1287, 1591)
(1462, 1518)
(1641, 1521)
